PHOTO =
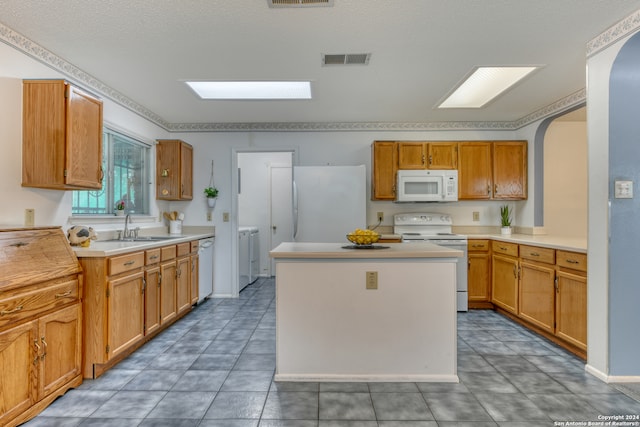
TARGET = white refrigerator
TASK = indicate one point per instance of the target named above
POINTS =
(328, 202)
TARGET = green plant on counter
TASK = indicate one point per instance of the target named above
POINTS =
(211, 192)
(505, 215)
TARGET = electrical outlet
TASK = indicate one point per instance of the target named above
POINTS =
(209, 216)
(225, 216)
(476, 216)
(380, 216)
(29, 217)
(372, 280)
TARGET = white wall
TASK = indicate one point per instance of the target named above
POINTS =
(565, 179)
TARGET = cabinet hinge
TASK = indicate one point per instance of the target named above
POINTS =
(159, 279)
(108, 293)
(65, 173)
(108, 349)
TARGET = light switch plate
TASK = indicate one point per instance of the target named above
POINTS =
(372, 280)
(29, 217)
(623, 190)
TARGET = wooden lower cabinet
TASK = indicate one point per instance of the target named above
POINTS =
(130, 298)
(40, 321)
(537, 295)
(479, 273)
(504, 291)
(571, 309)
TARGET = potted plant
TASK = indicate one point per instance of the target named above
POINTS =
(211, 193)
(120, 207)
(505, 219)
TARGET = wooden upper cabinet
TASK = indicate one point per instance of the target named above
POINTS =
(510, 170)
(474, 170)
(427, 155)
(174, 170)
(61, 136)
(384, 167)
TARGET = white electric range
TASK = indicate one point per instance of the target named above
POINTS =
(436, 228)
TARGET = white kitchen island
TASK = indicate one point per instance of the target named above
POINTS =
(331, 327)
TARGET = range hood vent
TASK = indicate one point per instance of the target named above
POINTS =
(300, 3)
(346, 59)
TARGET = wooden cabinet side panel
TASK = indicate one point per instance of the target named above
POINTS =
(186, 171)
(61, 341)
(43, 134)
(474, 170)
(194, 278)
(17, 369)
(510, 170)
(537, 295)
(84, 140)
(94, 309)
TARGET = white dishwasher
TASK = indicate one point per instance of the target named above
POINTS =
(205, 269)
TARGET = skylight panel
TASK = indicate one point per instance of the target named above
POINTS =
(251, 89)
(483, 85)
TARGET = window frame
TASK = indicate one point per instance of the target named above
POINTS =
(108, 162)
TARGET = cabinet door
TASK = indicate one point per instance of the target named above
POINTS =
(183, 286)
(167, 170)
(479, 277)
(504, 291)
(194, 279)
(152, 299)
(474, 170)
(571, 308)
(186, 172)
(510, 170)
(385, 166)
(411, 155)
(125, 308)
(168, 308)
(537, 294)
(442, 155)
(84, 140)
(19, 350)
(61, 354)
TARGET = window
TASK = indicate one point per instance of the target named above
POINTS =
(126, 162)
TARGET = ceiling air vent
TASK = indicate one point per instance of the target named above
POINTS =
(300, 3)
(346, 59)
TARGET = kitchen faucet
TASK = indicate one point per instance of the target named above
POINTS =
(126, 233)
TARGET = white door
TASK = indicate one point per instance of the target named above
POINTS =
(281, 207)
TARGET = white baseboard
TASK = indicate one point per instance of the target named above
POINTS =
(611, 378)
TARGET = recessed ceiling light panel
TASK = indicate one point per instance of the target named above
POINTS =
(251, 89)
(485, 84)
(299, 3)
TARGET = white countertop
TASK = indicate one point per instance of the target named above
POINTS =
(543, 240)
(336, 251)
(102, 248)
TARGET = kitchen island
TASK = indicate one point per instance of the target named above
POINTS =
(385, 314)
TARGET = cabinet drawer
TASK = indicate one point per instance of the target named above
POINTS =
(505, 248)
(167, 252)
(184, 249)
(127, 262)
(573, 260)
(16, 305)
(195, 245)
(535, 253)
(152, 256)
(478, 245)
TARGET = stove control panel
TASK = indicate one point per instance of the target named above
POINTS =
(421, 219)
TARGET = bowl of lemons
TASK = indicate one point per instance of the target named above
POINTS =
(362, 237)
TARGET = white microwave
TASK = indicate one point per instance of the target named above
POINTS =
(427, 186)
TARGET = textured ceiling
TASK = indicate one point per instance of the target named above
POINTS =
(420, 49)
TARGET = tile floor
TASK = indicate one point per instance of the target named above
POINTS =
(215, 368)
